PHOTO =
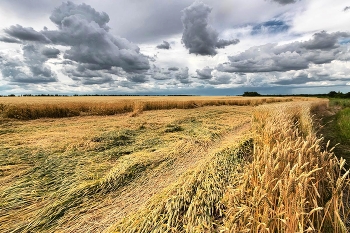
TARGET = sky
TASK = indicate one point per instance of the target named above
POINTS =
(158, 47)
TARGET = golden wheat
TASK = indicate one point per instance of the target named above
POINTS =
(50, 107)
(306, 185)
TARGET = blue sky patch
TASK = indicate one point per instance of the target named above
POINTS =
(344, 41)
(270, 27)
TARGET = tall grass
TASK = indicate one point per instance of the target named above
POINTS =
(344, 103)
(343, 121)
(28, 111)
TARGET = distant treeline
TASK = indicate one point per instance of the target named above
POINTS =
(332, 94)
(40, 95)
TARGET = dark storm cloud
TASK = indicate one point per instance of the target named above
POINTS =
(86, 76)
(346, 8)
(204, 73)
(271, 27)
(50, 52)
(164, 45)
(220, 44)
(32, 70)
(173, 68)
(97, 80)
(137, 78)
(198, 36)
(285, 2)
(322, 48)
(26, 34)
(296, 80)
(85, 32)
(323, 40)
(9, 39)
(304, 79)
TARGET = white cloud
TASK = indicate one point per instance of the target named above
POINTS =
(318, 15)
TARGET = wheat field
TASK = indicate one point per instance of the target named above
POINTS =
(28, 108)
(168, 164)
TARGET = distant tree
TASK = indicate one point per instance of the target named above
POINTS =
(11, 95)
(251, 93)
(332, 94)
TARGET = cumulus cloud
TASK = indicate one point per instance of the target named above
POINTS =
(173, 68)
(324, 41)
(198, 36)
(214, 77)
(31, 70)
(219, 80)
(137, 78)
(285, 2)
(86, 33)
(322, 48)
(164, 45)
(336, 72)
(26, 34)
(7, 39)
(102, 79)
(50, 52)
(221, 43)
(204, 73)
(172, 73)
(296, 80)
(85, 11)
(182, 76)
(161, 73)
(86, 76)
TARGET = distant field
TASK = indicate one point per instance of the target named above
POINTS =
(167, 164)
(108, 99)
(58, 107)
